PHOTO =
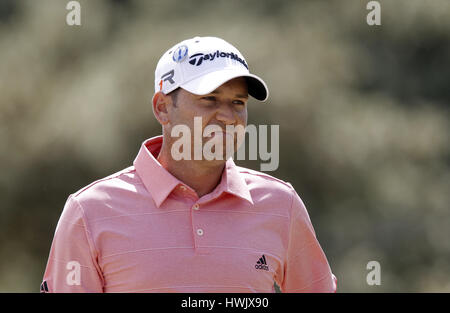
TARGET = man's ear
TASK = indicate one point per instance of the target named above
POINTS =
(160, 104)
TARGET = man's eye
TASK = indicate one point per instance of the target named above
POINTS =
(239, 102)
(209, 98)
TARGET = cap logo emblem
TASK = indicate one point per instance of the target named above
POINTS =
(180, 53)
(166, 77)
(198, 58)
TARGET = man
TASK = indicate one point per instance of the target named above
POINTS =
(178, 221)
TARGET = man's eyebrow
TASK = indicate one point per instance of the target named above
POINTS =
(215, 92)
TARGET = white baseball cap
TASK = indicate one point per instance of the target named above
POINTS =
(201, 64)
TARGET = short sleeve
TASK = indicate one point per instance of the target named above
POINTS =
(306, 268)
(72, 265)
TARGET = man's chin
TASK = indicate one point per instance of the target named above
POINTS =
(209, 151)
(217, 158)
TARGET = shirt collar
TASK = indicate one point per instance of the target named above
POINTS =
(234, 183)
(160, 183)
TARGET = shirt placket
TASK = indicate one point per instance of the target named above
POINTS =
(201, 227)
(200, 230)
(198, 225)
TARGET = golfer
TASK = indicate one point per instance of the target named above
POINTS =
(184, 217)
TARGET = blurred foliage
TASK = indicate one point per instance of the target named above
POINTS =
(363, 114)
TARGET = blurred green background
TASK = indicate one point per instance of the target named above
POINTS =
(363, 114)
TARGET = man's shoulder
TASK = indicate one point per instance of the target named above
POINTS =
(104, 187)
(107, 196)
(266, 180)
(265, 187)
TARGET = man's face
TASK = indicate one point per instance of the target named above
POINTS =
(223, 108)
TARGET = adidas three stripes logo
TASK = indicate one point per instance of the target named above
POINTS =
(262, 264)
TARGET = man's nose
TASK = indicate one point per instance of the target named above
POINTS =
(225, 114)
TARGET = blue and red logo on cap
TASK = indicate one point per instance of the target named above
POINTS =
(180, 53)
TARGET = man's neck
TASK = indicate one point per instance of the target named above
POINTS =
(201, 175)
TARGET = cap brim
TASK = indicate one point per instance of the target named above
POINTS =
(207, 83)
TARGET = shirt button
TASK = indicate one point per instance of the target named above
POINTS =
(196, 207)
(200, 232)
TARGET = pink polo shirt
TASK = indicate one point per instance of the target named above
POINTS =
(143, 230)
